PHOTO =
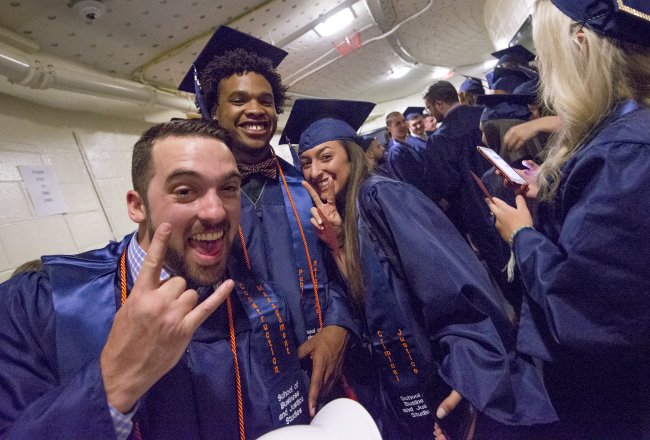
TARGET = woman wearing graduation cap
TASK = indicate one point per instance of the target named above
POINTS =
(586, 262)
(428, 304)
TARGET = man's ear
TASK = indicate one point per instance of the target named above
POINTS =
(135, 206)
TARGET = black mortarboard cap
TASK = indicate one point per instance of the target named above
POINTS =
(510, 106)
(524, 93)
(472, 85)
(365, 141)
(514, 54)
(506, 79)
(627, 20)
(411, 112)
(223, 40)
(314, 121)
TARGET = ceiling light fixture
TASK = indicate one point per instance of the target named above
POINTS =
(335, 23)
(489, 64)
(399, 72)
(441, 73)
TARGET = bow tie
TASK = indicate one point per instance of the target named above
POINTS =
(267, 168)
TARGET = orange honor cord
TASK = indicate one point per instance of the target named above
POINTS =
(349, 392)
(123, 292)
(312, 274)
(233, 347)
(243, 246)
(123, 276)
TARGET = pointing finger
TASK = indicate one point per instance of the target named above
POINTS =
(149, 276)
(201, 312)
(312, 193)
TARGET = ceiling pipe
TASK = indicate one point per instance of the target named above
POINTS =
(41, 71)
(293, 79)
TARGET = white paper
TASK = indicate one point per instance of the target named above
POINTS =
(44, 190)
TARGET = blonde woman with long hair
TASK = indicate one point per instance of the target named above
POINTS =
(586, 260)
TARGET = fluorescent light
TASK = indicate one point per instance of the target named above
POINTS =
(335, 23)
(501, 43)
(489, 64)
(440, 72)
(399, 72)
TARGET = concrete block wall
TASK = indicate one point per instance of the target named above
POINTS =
(91, 156)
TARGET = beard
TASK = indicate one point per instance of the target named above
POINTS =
(194, 274)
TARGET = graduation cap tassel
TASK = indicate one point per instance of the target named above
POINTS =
(199, 97)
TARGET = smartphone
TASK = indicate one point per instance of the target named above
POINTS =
(506, 170)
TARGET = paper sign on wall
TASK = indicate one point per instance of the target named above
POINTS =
(44, 190)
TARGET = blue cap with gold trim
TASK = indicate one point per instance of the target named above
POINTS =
(626, 20)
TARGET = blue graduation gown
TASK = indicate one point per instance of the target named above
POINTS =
(587, 275)
(418, 144)
(450, 158)
(53, 325)
(422, 277)
(272, 253)
(405, 162)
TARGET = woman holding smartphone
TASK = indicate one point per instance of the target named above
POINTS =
(586, 262)
(429, 307)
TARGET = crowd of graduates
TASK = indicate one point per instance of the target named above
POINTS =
(448, 307)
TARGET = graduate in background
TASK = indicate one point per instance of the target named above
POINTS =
(430, 308)
(429, 124)
(470, 90)
(507, 74)
(236, 84)
(450, 158)
(404, 153)
(374, 150)
(585, 263)
(415, 120)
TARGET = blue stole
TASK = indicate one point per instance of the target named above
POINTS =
(405, 380)
(274, 346)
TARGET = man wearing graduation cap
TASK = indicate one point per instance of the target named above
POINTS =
(236, 85)
(131, 341)
(415, 120)
(507, 74)
(450, 158)
(404, 153)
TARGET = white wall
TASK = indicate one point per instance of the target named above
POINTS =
(91, 156)
(503, 18)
